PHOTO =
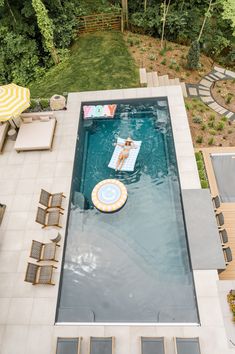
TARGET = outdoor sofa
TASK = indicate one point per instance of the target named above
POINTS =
(3, 132)
(36, 133)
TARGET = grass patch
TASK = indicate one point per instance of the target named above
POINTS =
(99, 61)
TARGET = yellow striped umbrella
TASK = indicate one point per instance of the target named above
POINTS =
(13, 101)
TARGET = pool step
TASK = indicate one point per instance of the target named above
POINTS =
(151, 79)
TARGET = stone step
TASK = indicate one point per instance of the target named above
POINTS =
(163, 80)
(155, 79)
(184, 90)
(149, 80)
(143, 77)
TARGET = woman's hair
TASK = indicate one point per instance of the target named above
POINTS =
(127, 142)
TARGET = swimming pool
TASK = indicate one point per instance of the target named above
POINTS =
(131, 266)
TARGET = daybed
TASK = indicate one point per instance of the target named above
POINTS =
(3, 132)
(36, 133)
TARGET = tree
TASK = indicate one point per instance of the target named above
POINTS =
(125, 11)
(229, 12)
(46, 27)
(165, 12)
(193, 56)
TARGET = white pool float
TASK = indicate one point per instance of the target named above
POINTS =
(109, 195)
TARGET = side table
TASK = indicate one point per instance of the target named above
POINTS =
(12, 134)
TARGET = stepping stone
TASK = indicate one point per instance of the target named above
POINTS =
(230, 73)
(214, 77)
(219, 75)
(221, 70)
(204, 93)
(206, 83)
(207, 99)
(208, 78)
(162, 80)
(192, 91)
(149, 80)
(203, 88)
(229, 115)
(214, 106)
(155, 79)
(222, 110)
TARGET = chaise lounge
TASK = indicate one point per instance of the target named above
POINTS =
(68, 345)
(51, 200)
(48, 218)
(36, 133)
(101, 345)
(152, 345)
(187, 346)
(43, 251)
(36, 274)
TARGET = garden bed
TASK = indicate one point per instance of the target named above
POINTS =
(224, 93)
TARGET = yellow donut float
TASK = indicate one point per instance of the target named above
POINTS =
(109, 195)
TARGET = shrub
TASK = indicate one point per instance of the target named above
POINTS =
(197, 120)
(204, 184)
(177, 68)
(212, 132)
(200, 165)
(201, 174)
(193, 56)
(220, 126)
(162, 52)
(211, 124)
(188, 106)
(212, 117)
(199, 139)
(198, 156)
(163, 62)
(228, 99)
(211, 141)
(130, 41)
(44, 103)
(33, 104)
(152, 57)
(224, 119)
(203, 127)
(230, 131)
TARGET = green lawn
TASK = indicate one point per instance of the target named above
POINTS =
(98, 61)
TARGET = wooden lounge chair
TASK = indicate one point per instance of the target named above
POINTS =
(220, 219)
(227, 255)
(68, 345)
(101, 345)
(216, 201)
(152, 345)
(43, 251)
(51, 200)
(36, 274)
(187, 345)
(223, 236)
(48, 218)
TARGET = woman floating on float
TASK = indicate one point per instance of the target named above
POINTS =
(125, 154)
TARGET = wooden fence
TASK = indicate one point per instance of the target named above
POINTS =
(100, 22)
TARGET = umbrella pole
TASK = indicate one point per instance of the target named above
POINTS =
(14, 124)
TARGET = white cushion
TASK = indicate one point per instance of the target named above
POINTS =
(35, 136)
(44, 118)
(27, 120)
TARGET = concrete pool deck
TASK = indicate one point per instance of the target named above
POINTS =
(27, 313)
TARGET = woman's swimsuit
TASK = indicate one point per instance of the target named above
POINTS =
(126, 150)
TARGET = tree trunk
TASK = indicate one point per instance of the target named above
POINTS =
(165, 12)
(11, 12)
(204, 21)
(145, 5)
(125, 12)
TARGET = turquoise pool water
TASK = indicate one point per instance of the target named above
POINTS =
(132, 265)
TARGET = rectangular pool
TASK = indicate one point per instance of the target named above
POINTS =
(131, 266)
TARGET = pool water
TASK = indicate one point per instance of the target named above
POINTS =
(131, 266)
